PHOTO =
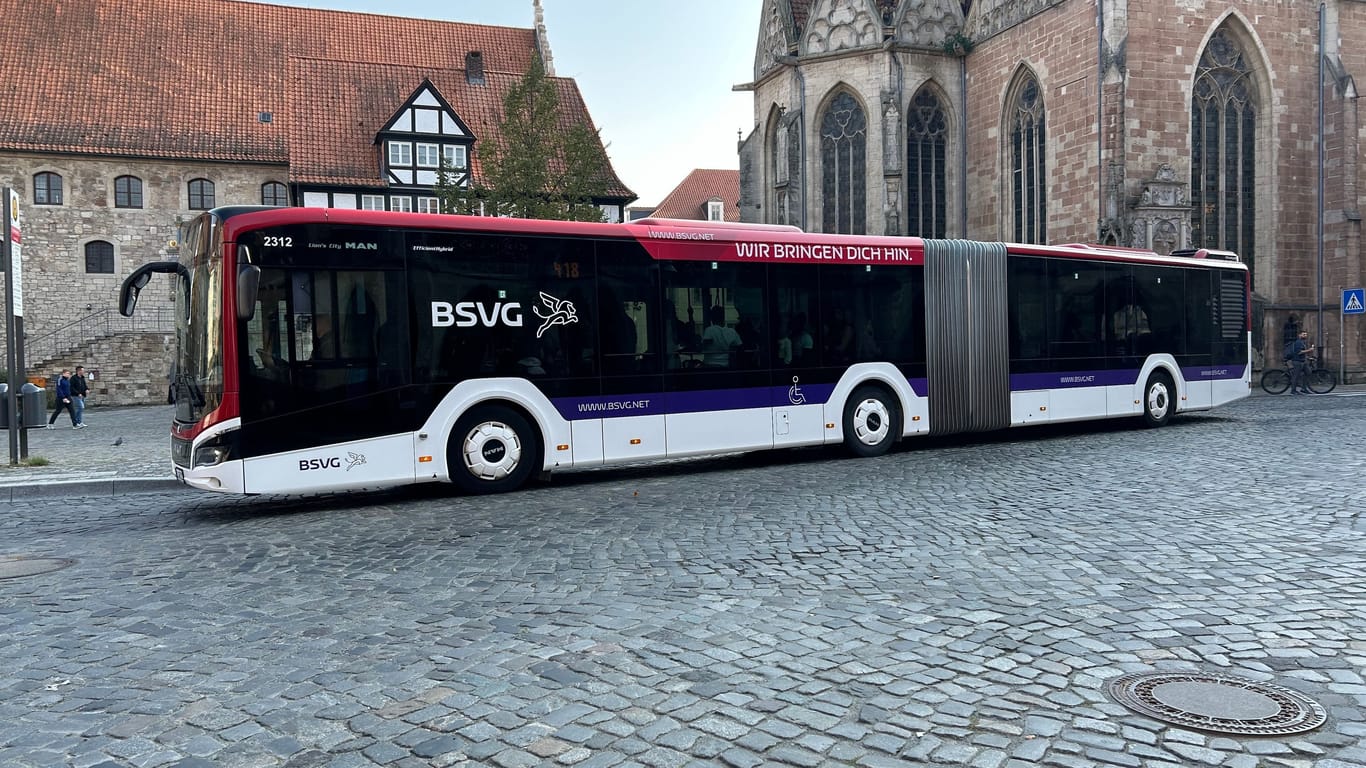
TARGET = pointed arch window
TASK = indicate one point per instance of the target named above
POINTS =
(844, 143)
(1027, 135)
(926, 149)
(1224, 149)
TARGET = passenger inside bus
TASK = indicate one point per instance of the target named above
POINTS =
(719, 341)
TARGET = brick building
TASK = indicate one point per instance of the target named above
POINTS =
(122, 119)
(1160, 125)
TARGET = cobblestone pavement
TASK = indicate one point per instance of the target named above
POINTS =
(81, 456)
(963, 602)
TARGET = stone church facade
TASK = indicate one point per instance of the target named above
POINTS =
(1159, 125)
(139, 114)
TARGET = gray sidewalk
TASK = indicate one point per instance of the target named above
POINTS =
(86, 462)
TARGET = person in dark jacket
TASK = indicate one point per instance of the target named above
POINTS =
(63, 400)
(78, 390)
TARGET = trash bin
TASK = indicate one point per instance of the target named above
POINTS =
(32, 407)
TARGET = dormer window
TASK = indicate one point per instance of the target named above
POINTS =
(428, 155)
(716, 210)
(400, 153)
(456, 156)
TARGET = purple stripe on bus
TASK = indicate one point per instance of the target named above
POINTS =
(1214, 372)
(1021, 382)
(655, 403)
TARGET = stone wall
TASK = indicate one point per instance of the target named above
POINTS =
(129, 369)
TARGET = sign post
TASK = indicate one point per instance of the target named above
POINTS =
(1353, 303)
(14, 321)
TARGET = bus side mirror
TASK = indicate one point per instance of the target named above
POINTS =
(128, 294)
(248, 282)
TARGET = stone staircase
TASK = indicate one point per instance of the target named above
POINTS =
(127, 368)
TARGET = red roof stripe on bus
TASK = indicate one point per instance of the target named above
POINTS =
(689, 240)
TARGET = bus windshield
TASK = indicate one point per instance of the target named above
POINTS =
(198, 373)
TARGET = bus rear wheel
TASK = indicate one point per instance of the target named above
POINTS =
(1159, 401)
(872, 421)
(492, 449)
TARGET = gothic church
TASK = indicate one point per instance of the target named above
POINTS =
(1161, 125)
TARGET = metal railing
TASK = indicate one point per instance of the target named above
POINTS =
(97, 325)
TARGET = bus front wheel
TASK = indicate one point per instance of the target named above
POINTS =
(492, 449)
(872, 421)
(1159, 400)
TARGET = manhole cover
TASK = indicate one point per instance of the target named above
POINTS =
(17, 566)
(1229, 705)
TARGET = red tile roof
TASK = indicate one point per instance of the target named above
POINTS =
(187, 79)
(689, 199)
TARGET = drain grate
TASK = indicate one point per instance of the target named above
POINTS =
(1229, 705)
(18, 566)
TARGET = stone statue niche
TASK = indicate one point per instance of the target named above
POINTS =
(1161, 217)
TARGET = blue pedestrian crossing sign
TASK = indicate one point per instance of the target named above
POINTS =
(1354, 301)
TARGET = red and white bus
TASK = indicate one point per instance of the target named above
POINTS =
(325, 349)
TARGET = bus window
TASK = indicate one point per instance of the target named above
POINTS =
(727, 325)
(1079, 318)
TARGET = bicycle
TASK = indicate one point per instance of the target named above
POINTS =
(1320, 381)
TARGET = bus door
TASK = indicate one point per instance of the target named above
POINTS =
(967, 336)
(718, 345)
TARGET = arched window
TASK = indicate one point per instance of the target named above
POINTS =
(127, 192)
(47, 188)
(1224, 149)
(927, 183)
(844, 140)
(273, 193)
(201, 195)
(99, 257)
(1028, 177)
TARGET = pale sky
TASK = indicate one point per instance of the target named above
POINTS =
(656, 75)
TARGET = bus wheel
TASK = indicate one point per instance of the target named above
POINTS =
(1158, 399)
(492, 449)
(872, 421)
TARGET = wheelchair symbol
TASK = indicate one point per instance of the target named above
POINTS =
(794, 393)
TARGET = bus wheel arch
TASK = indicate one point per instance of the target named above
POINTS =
(872, 419)
(1159, 398)
(495, 446)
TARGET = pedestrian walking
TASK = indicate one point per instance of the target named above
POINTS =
(79, 388)
(63, 401)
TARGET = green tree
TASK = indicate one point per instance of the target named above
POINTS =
(539, 165)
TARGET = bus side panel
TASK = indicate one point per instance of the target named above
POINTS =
(631, 438)
(376, 463)
(587, 442)
(692, 434)
(1078, 403)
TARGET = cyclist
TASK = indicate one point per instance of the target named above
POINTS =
(1297, 354)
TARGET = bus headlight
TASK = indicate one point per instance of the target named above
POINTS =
(216, 450)
(210, 455)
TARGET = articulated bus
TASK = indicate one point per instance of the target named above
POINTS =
(326, 349)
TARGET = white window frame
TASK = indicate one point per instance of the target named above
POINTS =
(372, 202)
(456, 156)
(428, 155)
(401, 153)
(716, 210)
(428, 205)
(401, 203)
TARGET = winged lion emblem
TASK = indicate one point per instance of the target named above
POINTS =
(558, 312)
